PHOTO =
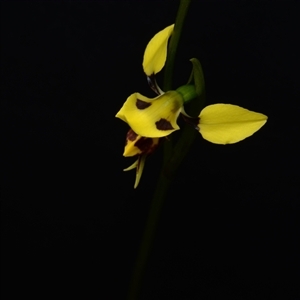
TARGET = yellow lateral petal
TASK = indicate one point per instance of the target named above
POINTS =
(228, 124)
(156, 51)
(152, 118)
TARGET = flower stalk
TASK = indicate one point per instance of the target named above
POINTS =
(151, 120)
(167, 171)
(169, 66)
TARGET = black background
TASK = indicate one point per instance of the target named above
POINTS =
(70, 219)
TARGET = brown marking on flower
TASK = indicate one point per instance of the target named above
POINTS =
(131, 135)
(163, 124)
(140, 104)
(144, 144)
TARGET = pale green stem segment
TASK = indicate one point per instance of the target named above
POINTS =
(171, 163)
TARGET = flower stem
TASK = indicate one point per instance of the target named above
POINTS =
(167, 173)
(148, 237)
(174, 40)
(169, 66)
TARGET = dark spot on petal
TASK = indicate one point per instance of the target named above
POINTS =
(140, 104)
(143, 144)
(131, 135)
(163, 124)
(146, 145)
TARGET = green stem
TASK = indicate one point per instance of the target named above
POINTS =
(148, 237)
(169, 66)
(174, 40)
(166, 177)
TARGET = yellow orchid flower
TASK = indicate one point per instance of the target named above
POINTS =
(141, 146)
(151, 119)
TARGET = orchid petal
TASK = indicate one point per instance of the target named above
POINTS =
(156, 51)
(228, 124)
(152, 118)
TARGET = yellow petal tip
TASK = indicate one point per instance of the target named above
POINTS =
(156, 51)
